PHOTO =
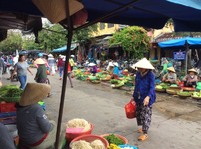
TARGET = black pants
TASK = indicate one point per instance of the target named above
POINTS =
(143, 116)
(189, 84)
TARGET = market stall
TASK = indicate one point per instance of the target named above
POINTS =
(154, 14)
(180, 91)
(183, 44)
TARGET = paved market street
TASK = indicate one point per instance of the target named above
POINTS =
(178, 128)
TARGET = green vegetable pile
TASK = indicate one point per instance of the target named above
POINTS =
(164, 85)
(112, 139)
(181, 93)
(197, 94)
(10, 93)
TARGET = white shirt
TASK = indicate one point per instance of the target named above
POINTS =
(15, 60)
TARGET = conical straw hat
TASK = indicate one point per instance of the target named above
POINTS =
(55, 10)
(39, 61)
(192, 70)
(91, 64)
(33, 93)
(171, 69)
(143, 63)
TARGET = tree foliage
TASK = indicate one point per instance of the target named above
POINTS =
(12, 42)
(49, 40)
(81, 36)
(52, 37)
(29, 43)
(133, 39)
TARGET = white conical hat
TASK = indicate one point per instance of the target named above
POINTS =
(91, 64)
(143, 63)
(39, 61)
(192, 70)
(171, 69)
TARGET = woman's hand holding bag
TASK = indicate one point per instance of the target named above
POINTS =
(130, 109)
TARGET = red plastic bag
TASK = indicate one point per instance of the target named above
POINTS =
(130, 109)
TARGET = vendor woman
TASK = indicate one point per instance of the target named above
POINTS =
(93, 68)
(190, 80)
(34, 129)
(171, 76)
(144, 95)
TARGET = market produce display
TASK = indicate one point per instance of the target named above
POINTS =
(184, 93)
(113, 146)
(81, 144)
(171, 91)
(107, 78)
(127, 146)
(10, 93)
(197, 94)
(84, 75)
(163, 86)
(79, 123)
(112, 139)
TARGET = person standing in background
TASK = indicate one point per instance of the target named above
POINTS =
(71, 61)
(15, 59)
(165, 66)
(21, 67)
(1, 67)
(51, 62)
(60, 66)
(69, 75)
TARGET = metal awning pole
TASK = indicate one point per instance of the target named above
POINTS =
(186, 65)
(69, 40)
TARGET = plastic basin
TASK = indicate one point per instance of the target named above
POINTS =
(119, 136)
(133, 147)
(91, 138)
(72, 135)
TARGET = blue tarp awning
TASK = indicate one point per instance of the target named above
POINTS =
(63, 49)
(179, 43)
(153, 13)
(148, 13)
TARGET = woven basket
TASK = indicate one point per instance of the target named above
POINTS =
(183, 96)
(160, 90)
(55, 10)
(188, 89)
(171, 92)
(95, 82)
(198, 98)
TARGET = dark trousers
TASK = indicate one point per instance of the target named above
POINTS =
(143, 116)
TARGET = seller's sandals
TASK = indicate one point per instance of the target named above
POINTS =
(143, 137)
(140, 130)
